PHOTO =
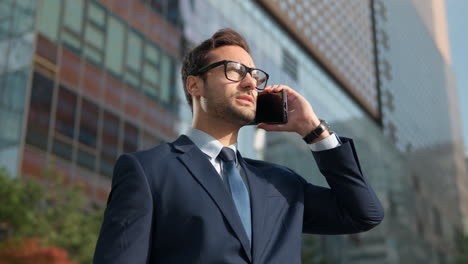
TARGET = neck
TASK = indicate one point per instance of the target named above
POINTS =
(223, 131)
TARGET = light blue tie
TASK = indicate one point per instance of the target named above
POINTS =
(239, 191)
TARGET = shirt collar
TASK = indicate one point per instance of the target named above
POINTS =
(207, 144)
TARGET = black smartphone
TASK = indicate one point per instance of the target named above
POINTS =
(272, 108)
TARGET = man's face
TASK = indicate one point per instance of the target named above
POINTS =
(227, 100)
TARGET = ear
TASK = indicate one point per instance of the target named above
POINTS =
(194, 85)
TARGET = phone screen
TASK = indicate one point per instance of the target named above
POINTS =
(272, 108)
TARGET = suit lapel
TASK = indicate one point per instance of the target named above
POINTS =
(258, 189)
(202, 170)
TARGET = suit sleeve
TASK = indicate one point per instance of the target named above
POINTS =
(350, 205)
(125, 235)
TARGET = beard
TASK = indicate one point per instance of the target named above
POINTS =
(229, 110)
(239, 115)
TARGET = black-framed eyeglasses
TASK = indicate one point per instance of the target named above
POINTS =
(236, 72)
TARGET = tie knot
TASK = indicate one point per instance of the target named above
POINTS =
(227, 154)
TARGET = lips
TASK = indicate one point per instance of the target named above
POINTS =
(245, 98)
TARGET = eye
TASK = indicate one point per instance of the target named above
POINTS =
(235, 71)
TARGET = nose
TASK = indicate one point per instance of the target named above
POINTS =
(249, 83)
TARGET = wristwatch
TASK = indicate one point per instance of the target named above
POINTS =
(322, 127)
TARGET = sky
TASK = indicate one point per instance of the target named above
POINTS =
(457, 16)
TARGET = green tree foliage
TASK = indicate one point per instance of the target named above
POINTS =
(56, 212)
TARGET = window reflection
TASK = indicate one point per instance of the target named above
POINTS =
(95, 33)
(49, 17)
(88, 123)
(110, 141)
(39, 111)
(86, 159)
(65, 113)
(62, 148)
(166, 69)
(133, 60)
(130, 143)
(115, 45)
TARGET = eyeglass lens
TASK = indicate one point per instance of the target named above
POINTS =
(236, 72)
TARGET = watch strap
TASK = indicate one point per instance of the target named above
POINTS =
(314, 134)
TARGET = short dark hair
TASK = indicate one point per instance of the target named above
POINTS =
(198, 56)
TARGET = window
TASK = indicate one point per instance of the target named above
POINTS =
(73, 23)
(166, 77)
(150, 83)
(62, 148)
(110, 141)
(115, 45)
(24, 17)
(150, 80)
(290, 65)
(65, 114)
(88, 123)
(96, 14)
(168, 9)
(94, 38)
(130, 143)
(73, 16)
(12, 94)
(95, 33)
(39, 111)
(85, 159)
(49, 18)
(133, 62)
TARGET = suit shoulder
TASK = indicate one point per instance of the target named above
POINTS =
(266, 165)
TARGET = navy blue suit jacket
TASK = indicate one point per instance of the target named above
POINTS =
(169, 205)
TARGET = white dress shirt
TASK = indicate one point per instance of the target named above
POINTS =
(212, 147)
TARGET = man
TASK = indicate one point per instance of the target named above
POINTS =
(197, 200)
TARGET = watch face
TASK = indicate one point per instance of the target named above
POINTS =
(326, 125)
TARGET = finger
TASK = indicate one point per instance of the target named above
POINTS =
(270, 127)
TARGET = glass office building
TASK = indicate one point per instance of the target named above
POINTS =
(82, 81)
(86, 80)
(16, 49)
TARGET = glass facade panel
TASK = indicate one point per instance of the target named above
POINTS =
(152, 53)
(39, 111)
(49, 18)
(93, 55)
(86, 159)
(96, 14)
(130, 143)
(72, 41)
(94, 36)
(23, 18)
(166, 70)
(12, 94)
(133, 60)
(134, 48)
(5, 7)
(150, 80)
(4, 27)
(110, 142)
(16, 47)
(62, 148)
(88, 123)
(65, 115)
(115, 45)
(73, 16)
